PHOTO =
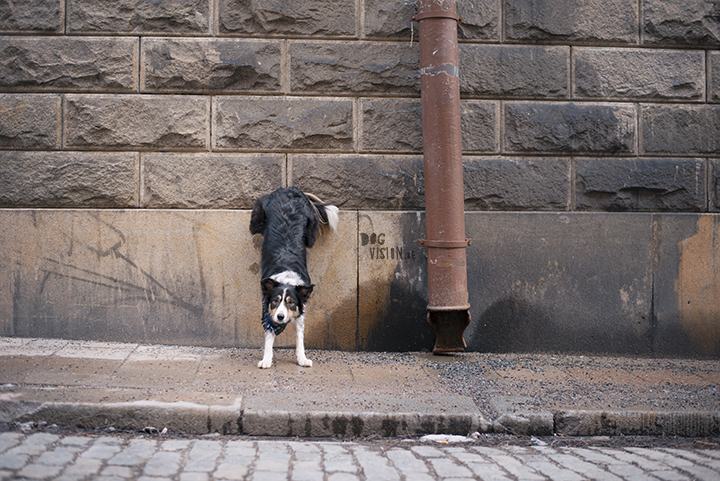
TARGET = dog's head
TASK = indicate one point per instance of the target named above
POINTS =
(285, 303)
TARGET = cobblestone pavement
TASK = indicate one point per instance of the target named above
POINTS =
(82, 455)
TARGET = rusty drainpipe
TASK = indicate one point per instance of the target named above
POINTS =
(448, 305)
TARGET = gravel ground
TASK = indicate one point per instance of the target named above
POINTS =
(556, 382)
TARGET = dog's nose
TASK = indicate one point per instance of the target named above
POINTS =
(280, 317)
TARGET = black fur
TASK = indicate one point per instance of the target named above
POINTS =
(288, 223)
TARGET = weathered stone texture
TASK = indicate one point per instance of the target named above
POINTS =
(208, 181)
(32, 16)
(363, 67)
(67, 179)
(391, 18)
(217, 65)
(680, 129)
(127, 122)
(267, 123)
(362, 181)
(516, 183)
(616, 73)
(30, 121)
(714, 77)
(391, 125)
(572, 20)
(190, 17)
(479, 122)
(396, 125)
(569, 127)
(514, 71)
(634, 184)
(63, 64)
(270, 17)
(689, 22)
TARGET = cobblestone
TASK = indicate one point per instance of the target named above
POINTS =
(73, 457)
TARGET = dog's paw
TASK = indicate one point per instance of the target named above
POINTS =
(264, 364)
(305, 362)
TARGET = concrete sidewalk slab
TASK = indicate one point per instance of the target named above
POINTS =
(198, 390)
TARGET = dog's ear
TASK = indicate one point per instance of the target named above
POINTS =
(268, 285)
(257, 218)
(303, 292)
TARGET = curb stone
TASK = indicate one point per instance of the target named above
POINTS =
(191, 418)
(527, 424)
(183, 417)
(644, 423)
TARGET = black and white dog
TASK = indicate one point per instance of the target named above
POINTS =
(289, 221)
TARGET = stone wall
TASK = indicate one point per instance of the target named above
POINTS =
(573, 107)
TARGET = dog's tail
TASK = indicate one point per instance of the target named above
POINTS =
(327, 214)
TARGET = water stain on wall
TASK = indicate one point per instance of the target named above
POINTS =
(698, 285)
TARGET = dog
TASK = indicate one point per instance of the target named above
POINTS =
(289, 222)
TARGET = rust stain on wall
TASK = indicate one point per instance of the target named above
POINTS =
(698, 284)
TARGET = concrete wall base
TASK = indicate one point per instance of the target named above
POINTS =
(591, 283)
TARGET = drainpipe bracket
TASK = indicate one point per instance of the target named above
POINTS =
(424, 15)
(445, 244)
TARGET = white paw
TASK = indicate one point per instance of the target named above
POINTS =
(265, 364)
(305, 362)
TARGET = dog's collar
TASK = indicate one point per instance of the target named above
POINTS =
(268, 323)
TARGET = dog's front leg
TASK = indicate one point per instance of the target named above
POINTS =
(268, 352)
(300, 343)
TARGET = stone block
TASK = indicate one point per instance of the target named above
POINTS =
(670, 185)
(279, 123)
(391, 19)
(619, 73)
(690, 22)
(613, 21)
(210, 65)
(714, 76)
(30, 121)
(687, 285)
(516, 183)
(514, 71)
(269, 17)
(32, 16)
(208, 180)
(388, 68)
(67, 179)
(126, 122)
(361, 181)
(680, 129)
(540, 282)
(392, 282)
(396, 125)
(174, 17)
(480, 126)
(391, 125)
(569, 127)
(61, 64)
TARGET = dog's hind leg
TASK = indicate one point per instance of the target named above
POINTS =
(300, 343)
(268, 352)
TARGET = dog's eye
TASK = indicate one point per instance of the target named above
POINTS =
(276, 301)
(289, 302)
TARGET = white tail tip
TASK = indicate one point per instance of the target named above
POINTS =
(332, 215)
